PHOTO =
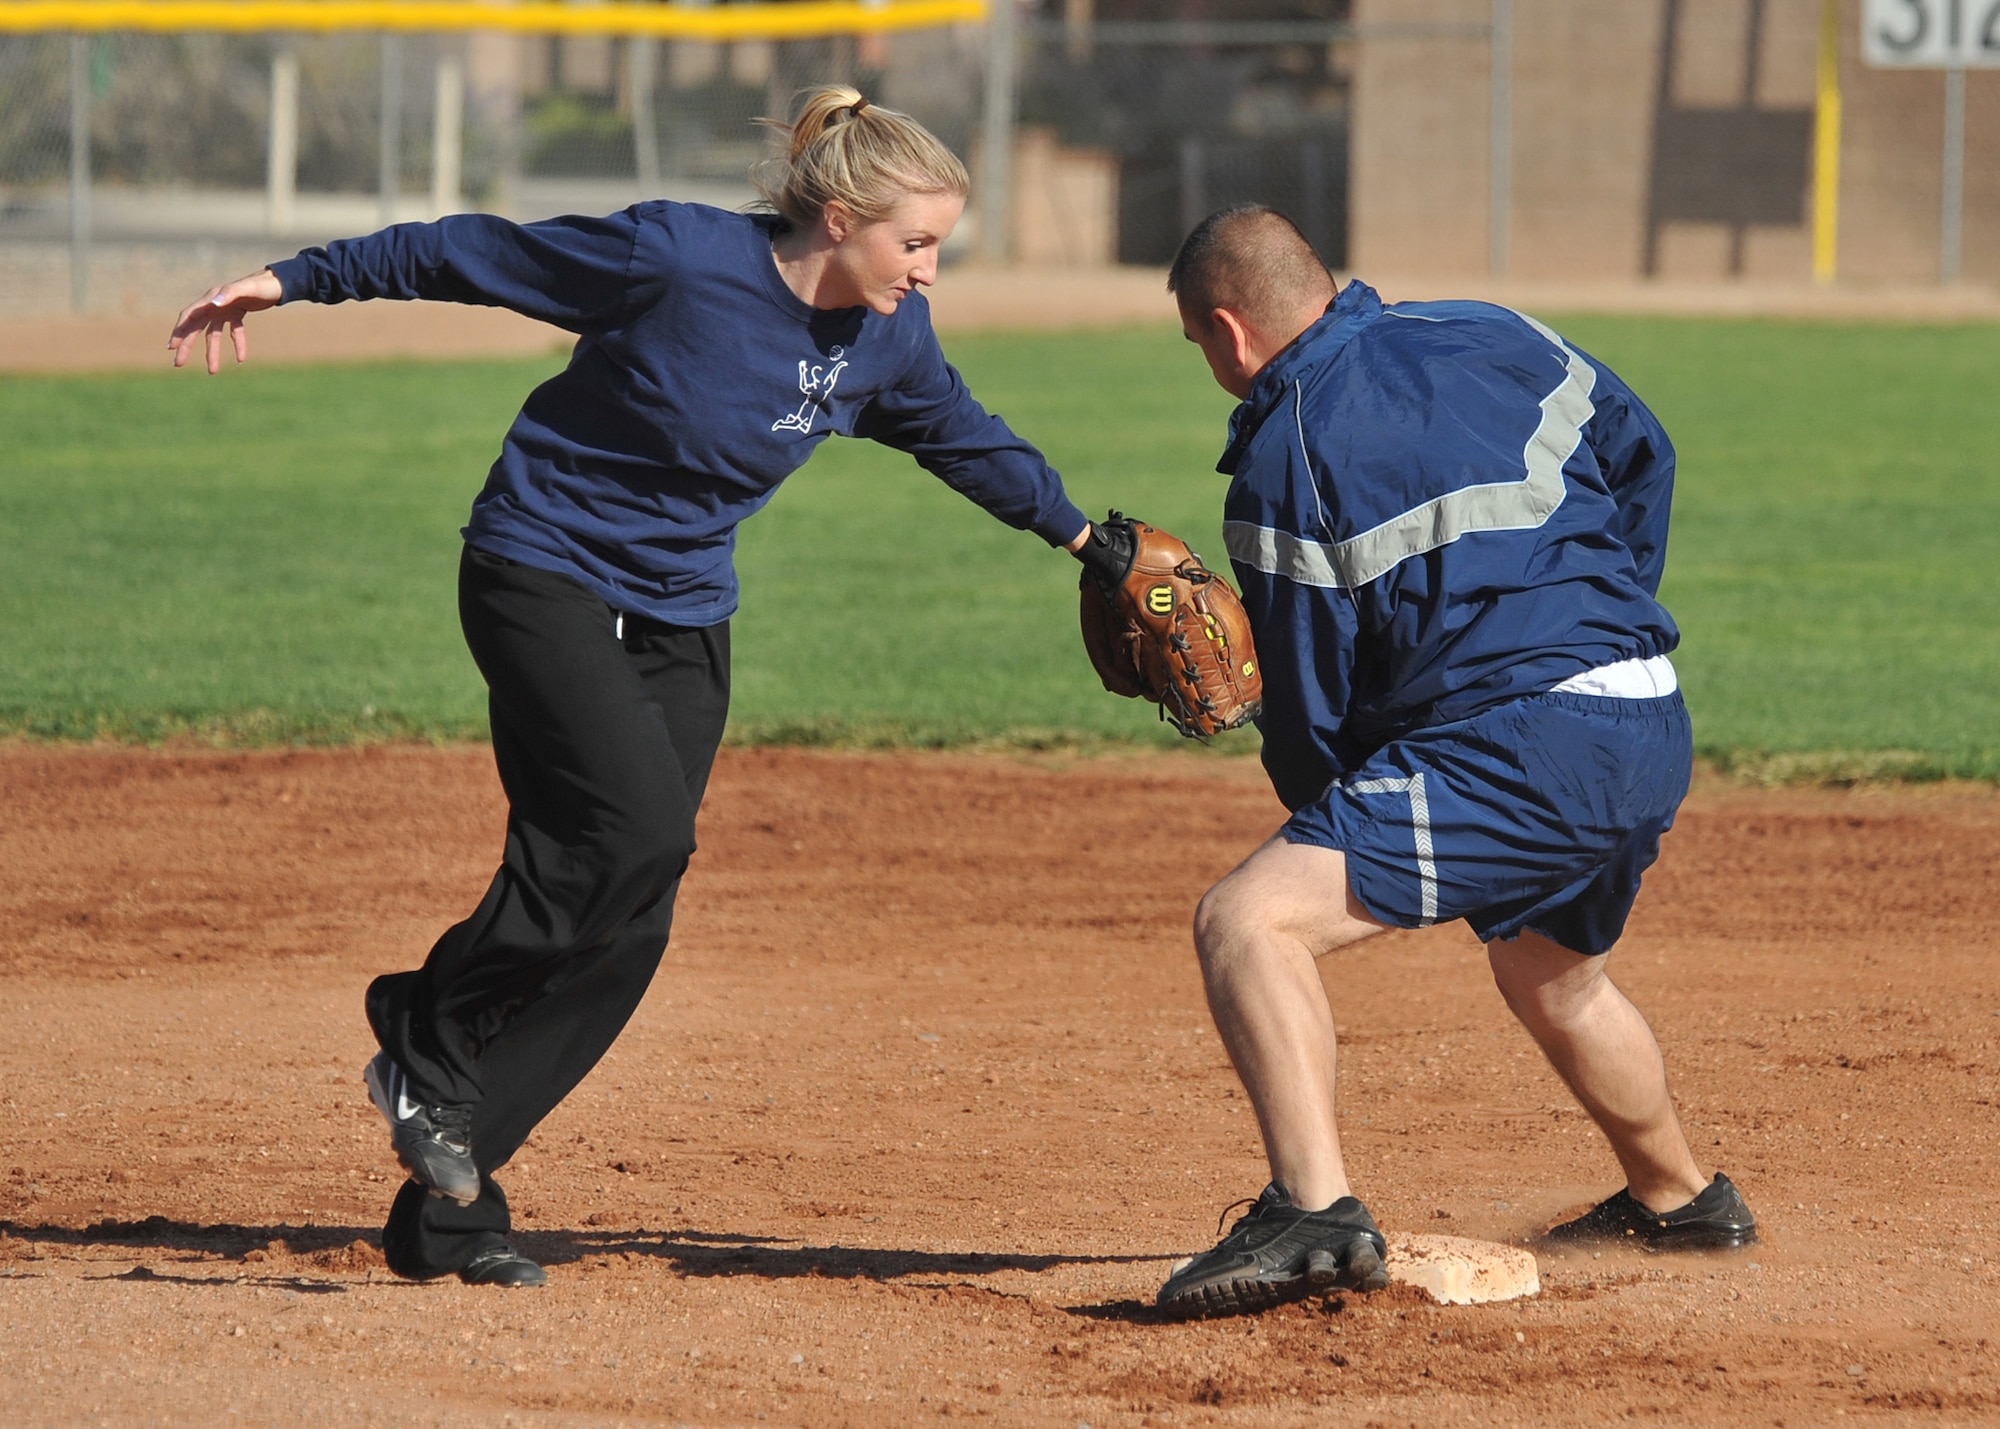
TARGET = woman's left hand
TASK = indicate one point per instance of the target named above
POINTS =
(222, 310)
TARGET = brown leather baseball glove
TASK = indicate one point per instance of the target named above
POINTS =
(1158, 624)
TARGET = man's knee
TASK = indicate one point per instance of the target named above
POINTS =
(1221, 914)
(1294, 891)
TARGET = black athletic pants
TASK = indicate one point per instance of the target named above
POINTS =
(604, 746)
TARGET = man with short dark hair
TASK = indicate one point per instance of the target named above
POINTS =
(1449, 526)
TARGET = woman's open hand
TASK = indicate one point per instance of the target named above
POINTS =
(222, 310)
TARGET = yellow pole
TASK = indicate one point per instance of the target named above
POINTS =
(764, 21)
(1826, 147)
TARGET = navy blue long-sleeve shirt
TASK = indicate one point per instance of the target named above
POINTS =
(698, 383)
(1436, 508)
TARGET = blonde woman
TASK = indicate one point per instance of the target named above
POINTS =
(715, 351)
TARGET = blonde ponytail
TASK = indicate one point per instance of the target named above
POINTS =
(843, 147)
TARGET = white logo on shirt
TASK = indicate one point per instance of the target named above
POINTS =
(817, 385)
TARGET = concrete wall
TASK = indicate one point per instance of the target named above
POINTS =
(1065, 203)
(1419, 136)
(1583, 74)
(1615, 177)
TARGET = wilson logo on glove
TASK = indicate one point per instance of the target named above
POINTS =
(1160, 625)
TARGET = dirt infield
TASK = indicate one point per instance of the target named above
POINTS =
(925, 1102)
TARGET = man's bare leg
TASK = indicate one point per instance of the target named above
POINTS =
(1603, 1049)
(1258, 933)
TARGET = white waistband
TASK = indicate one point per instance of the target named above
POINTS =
(1625, 680)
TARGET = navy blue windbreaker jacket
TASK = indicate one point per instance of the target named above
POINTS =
(1437, 507)
(698, 383)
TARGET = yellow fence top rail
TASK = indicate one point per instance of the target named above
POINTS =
(803, 19)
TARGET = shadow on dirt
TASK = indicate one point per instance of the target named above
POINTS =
(299, 1283)
(229, 1253)
(243, 1251)
(701, 1253)
(221, 1239)
(688, 1252)
(1123, 1312)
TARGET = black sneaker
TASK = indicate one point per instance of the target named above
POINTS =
(1717, 1219)
(1278, 1253)
(506, 1266)
(434, 1143)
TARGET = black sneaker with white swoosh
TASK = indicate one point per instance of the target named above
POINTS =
(434, 1142)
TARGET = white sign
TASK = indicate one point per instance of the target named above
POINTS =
(1931, 34)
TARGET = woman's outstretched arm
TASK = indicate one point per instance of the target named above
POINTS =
(576, 273)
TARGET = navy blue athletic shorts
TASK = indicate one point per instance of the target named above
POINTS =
(1541, 813)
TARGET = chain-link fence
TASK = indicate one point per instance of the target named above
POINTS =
(1662, 139)
(1200, 115)
(177, 115)
(181, 129)
(205, 150)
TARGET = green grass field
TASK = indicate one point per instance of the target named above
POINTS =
(271, 555)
